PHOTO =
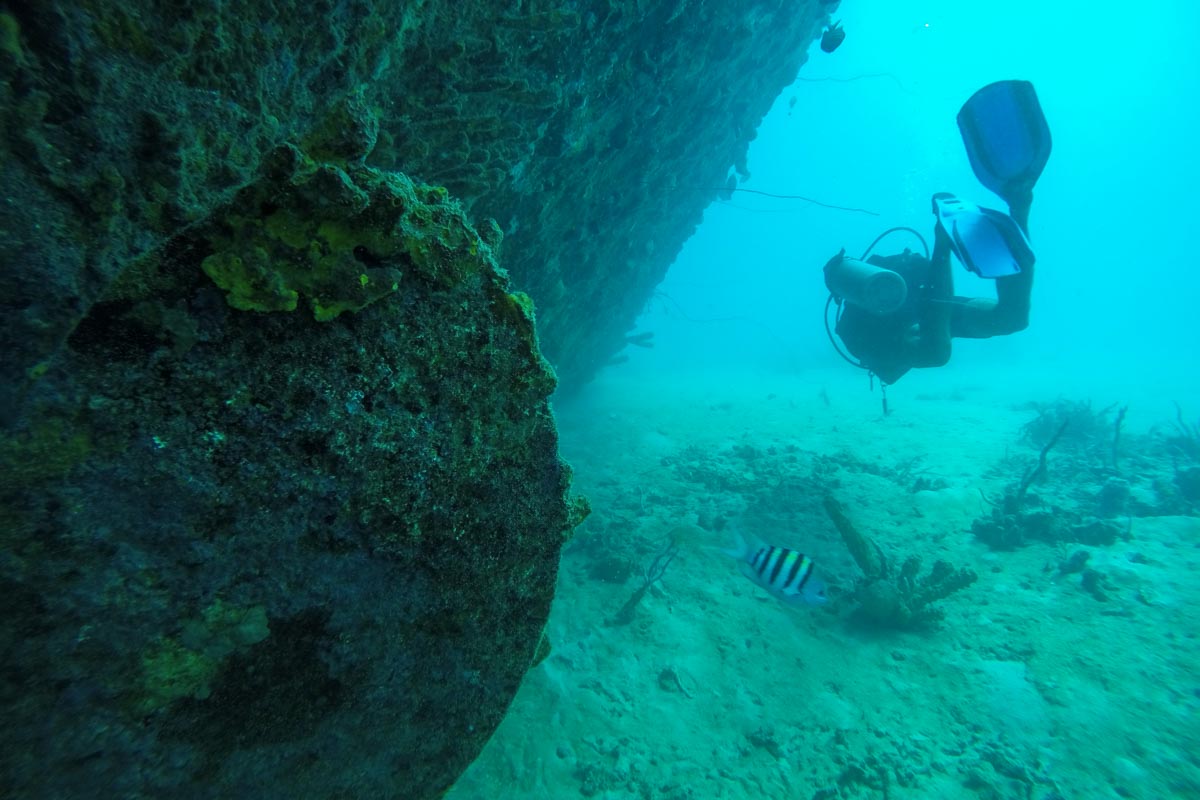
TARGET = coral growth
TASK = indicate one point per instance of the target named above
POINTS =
(370, 485)
(1086, 476)
(891, 597)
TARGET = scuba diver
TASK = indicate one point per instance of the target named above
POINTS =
(899, 312)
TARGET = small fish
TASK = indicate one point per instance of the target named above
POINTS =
(786, 574)
(833, 36)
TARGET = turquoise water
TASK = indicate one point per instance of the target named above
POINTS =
(1067, 667)
(1111, 214)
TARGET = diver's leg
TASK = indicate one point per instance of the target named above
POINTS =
(930, 347)
(982, 318)
(1018, 208)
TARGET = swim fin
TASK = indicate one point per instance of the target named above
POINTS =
(990, 243)
(1006, 136)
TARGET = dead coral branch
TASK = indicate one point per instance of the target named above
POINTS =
(1037, 471)
(650, 576)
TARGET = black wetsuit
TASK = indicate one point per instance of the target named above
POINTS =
(878, 341)
(918, 334)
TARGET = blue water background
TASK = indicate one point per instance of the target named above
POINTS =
(1114, 220)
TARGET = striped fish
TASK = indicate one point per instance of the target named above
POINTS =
(784, 573)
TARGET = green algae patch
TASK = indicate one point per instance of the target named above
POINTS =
(171, 672)
(516, 309)
(187, 665)
(48, 449)
(524, 303)
(337, 239)
(250, 280)
(10, 37)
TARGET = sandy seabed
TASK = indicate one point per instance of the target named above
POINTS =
(1029, 686)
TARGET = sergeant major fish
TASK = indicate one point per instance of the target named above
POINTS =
(784, 573)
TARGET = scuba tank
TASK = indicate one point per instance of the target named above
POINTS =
(872, 288)
(874, 298)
